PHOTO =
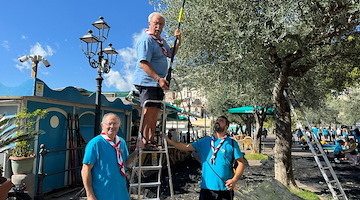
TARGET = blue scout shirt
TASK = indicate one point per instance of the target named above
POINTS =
(338, 148)
(223, 162)
(148, 49)
(107, 181)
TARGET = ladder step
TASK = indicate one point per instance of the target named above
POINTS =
(151, 184)
(158, 151)
(315, 147)
(157, 167)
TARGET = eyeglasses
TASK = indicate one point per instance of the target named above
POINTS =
(158, 23)
(111, 124)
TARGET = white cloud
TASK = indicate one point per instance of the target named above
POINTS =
(37, 49)
(5, 44)
(24, 37)
(23, 65)
(122, 79)
(119, 81)
(128, 56)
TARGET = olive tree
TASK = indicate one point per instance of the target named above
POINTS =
(250, 52)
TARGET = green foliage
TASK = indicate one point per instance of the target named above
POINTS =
(256, 156)
(178, 102)
(347, 106)
(305, 194)
(338, 109)
(22, 149)
(235, 50)
(20, 129)
(269, 123)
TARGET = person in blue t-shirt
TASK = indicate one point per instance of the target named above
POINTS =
(357, 135)
(217, 154)
(326, 134)
(299, 134)
(150, 73)
(104, 163)
(315, 130)
(339, 152)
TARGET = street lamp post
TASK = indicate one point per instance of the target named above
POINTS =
(100, 59)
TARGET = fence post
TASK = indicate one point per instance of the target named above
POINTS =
(41, 175)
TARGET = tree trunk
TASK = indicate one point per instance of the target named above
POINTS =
(257, 137)
(259, 116)
(282, 149)
(248, 120)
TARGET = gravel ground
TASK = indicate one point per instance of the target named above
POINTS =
(187, 175)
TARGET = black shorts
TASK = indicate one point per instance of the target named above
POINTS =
(339, 155)
(206, 194)
(150, 93)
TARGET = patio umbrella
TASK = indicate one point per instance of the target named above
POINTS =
(248, 110)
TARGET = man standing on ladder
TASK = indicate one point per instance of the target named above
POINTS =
(217, 154)
(149, 77)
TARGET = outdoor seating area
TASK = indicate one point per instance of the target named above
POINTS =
(244, 141)
(341, 145)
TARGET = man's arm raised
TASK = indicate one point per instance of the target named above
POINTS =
(180, 145)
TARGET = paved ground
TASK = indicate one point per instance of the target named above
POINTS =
(306, 171)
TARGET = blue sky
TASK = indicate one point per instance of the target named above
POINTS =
(52, 28)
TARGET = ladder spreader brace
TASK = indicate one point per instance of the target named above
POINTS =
(156, 167)
(336, 195)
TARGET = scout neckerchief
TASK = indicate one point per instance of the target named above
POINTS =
(215, 150)
(116, 145)
(159, 41)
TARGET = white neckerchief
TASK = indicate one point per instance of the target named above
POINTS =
(159, 41)
(215, 150)
(116, 145)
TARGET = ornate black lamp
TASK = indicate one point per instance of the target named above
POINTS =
(102, 59)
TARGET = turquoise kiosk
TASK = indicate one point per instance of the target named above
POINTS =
(68, 124)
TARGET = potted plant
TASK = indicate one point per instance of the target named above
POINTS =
(16, 129)
(22, 158)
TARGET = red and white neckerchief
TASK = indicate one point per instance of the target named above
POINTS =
(215, 150)
(159, 41)
(116, 145)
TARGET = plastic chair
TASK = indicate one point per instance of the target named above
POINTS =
(247, 143)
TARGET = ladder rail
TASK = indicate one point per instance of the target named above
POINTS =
(140, 169)
(313, 151)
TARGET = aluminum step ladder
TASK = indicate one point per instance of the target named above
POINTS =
(138, 187)
(317, 151)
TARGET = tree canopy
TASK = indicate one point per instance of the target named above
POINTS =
(249, 52)
(233, 46)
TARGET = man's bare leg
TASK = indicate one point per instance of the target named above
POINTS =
(149, 123)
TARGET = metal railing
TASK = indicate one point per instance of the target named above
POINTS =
(42, 175)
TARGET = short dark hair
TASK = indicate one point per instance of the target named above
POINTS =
(226, 119)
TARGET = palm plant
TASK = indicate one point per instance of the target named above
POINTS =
(20, 127)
